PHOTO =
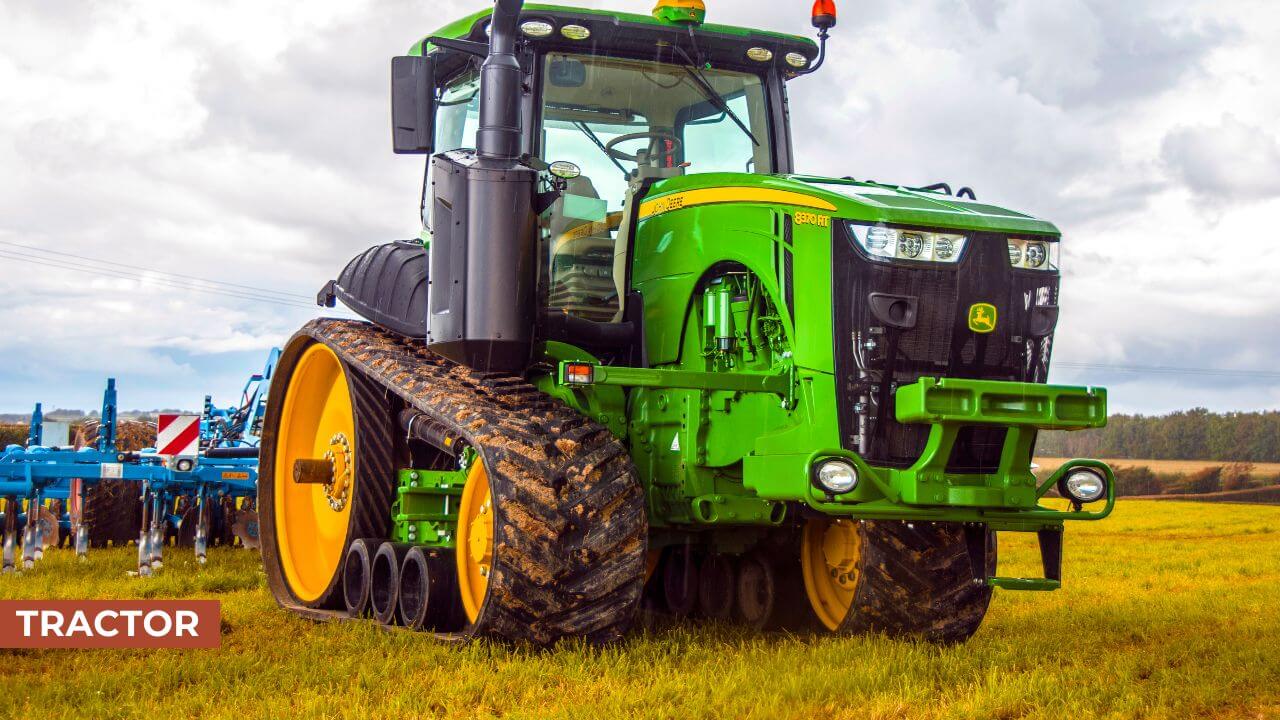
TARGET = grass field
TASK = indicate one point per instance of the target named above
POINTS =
(1169, 467)
(1169, 611)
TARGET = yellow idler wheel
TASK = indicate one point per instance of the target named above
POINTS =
(326, 472)
(475, 540)
(831, 552)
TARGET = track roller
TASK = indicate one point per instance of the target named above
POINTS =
(429, 598)
(770, 594)
(384, 581)
(717, 581)
(680, 581)
(357, 571)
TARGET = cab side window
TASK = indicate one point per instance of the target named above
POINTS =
(457, 119)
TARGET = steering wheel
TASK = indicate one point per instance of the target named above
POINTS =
(611, 147)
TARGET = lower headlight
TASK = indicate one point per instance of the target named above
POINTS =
(184, 465)
(1083, 485)
(835, 476)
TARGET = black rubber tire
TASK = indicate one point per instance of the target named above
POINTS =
(916, 580)
(570, 529)
(377, 455)
(112, 512)
(429, 597)
(112, 508)
(384, 582)
(356, 573)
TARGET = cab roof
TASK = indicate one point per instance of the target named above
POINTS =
(632, 33)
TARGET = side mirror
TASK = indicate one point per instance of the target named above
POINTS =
(413, 104)
(568, 73)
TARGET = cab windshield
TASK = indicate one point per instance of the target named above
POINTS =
(623, 121)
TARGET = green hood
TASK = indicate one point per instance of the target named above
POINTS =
(873, 202)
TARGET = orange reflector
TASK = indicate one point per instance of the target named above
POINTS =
(579, 373)
(824, 14)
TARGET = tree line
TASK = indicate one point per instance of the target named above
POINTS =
(1195, 434)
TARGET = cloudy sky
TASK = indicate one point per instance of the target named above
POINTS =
(241, 148)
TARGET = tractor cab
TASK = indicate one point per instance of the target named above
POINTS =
(611, 104)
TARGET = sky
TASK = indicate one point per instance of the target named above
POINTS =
(242, 149)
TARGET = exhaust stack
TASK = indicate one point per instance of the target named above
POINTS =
(499, 135)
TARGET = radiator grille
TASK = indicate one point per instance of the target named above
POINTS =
(941, 344)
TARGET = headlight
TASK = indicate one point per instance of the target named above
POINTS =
(1033, 254)
(891, 244)
(836, 477)
(1083, 485)
(910, 245)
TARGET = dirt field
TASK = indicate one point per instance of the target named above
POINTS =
(1169, 611)
(1160, 467)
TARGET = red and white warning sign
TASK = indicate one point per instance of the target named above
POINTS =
(178, 435)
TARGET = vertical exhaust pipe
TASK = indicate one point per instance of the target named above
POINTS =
(498, 138)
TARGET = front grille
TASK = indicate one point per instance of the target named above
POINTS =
(941, 343)
(931, 340)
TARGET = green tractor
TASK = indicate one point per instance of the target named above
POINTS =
(635, 363)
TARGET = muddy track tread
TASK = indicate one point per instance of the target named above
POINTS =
(917, 581)
(571, 529)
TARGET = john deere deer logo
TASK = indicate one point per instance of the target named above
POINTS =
(982, 317)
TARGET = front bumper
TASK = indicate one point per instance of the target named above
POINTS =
(1008, 499)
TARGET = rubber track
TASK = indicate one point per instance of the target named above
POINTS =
(571, 526)
(375, 463)
(916, 580)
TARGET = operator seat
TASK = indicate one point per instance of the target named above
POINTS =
(580, 253)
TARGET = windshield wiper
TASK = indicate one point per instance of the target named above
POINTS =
(713, 97)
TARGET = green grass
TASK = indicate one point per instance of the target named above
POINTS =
(1169, 611)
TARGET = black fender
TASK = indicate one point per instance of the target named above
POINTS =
(386, 284)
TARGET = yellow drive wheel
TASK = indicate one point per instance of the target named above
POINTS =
(830, 560)
(475, 540)
(325, 417)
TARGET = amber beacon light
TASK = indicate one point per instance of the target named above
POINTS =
(824, 14)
